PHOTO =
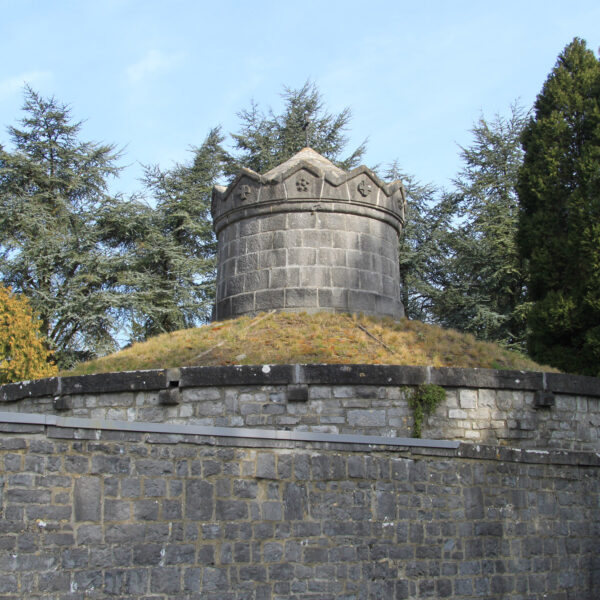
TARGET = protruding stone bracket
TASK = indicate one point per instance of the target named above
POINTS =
(61, 403)
(543, 399)
(171, 395)
(297, 392)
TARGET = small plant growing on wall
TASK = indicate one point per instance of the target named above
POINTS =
(423, 401)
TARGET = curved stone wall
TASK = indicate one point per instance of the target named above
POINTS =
(293, 482)
(90, 512)
(308, 261)
(514, 408)
(308, 236)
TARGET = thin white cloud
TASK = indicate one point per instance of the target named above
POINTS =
(14, 85)
(154, 62)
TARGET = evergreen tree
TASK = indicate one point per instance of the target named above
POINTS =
(422, 248)
(51, 187)
(458, 259)
(481, 278)
(559, 226)
(265, 140)
(23, 352)
(167, 254)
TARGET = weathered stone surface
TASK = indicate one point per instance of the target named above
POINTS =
(378, 374)
(105, 383)
(326, 399)
(483, 406)
(265, 466)
(544, 399)
(320, 521)
(297, 393)
(198, 499)
(24, 389)
(572, 384)
(87, 499)
(251, 375)
(304, 217)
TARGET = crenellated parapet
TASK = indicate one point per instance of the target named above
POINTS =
(308, 181)
(308, 235)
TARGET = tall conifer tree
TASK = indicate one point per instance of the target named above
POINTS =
(482, 276)
(166, 255)
(265, 140)
(458, 258)
(422, 243)
(559, 227)
(51, 188)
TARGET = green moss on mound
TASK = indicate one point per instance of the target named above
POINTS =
(287, 338)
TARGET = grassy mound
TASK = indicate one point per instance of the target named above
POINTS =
(287, 338)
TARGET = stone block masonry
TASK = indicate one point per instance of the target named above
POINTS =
(308, 236)
(95, 513)
(326, 265)
(297, 481)
(481, 406)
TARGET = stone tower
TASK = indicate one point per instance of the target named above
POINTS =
(308, 236)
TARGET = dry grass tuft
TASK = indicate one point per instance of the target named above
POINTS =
(287, 338)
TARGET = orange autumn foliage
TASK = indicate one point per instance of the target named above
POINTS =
(23, 353)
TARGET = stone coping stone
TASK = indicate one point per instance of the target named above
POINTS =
(310, 374)
(565, 383)
(237, 375)
(30, 389)
(114, 382)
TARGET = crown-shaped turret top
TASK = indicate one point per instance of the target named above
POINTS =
(308, 176)
(308, 236)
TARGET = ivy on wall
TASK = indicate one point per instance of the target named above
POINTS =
(423, 401)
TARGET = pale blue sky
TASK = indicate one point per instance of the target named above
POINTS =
(154, 77)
